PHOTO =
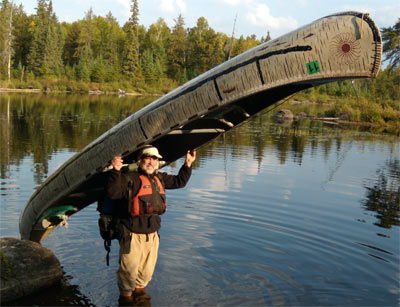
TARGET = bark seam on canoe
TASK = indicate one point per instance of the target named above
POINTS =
(141, 127)
(217, 89)
(260, 72)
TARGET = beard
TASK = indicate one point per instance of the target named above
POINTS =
(148, 168)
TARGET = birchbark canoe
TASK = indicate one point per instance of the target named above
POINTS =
(341, 46)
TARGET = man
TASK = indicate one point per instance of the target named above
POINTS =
(141, 199)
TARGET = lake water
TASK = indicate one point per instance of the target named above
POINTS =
(299, 214)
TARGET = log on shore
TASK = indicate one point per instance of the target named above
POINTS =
(26, 267)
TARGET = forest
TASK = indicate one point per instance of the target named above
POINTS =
(97, 54)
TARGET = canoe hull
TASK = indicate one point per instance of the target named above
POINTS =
(336, 47)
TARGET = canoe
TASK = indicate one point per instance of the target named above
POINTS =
(341, 46)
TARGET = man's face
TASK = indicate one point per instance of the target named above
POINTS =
(149, 164)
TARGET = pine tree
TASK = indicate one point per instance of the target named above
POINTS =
(6, 37)
(130, 66)
(177, 51)
(54, 45)
(22, 37)
(70, 54)
(99, 71)
(46, 49)
(36, 51)
(391, 44)
(86, 34)
(202, 41)
(147, 66)
(84, 68)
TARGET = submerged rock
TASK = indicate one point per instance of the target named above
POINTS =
(26, 267)
(284, 116)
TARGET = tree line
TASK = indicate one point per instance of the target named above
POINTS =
(98, 49)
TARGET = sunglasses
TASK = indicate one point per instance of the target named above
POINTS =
(150, 157)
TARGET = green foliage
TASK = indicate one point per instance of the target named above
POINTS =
(95, 53)
(130, 61)
(45, 52)
(96, 48)
(84, 68)
(391, 44)
(201, 48)
(177, 51)
(6, 36)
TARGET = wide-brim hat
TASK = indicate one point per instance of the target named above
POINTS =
(150, 151)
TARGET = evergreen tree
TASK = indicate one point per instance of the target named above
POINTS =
(391, 44)
(55, 43)
(266, 39)
(6, 37)
(86, 34)
(147, 66)
(156, 39)
(201, 40)
(22, 37)
(130, 66)
(99, 70)
(113, 49)
(46, 49)
(84, 68)
(177, 51)
(36, 51)
(71, 46)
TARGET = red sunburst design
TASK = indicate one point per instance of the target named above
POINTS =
(345, 48)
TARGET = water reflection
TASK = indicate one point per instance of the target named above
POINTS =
(383, 194)
(40, 125)
(270, 216)
(61, 294)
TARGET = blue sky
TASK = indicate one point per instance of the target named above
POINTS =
(253, 16)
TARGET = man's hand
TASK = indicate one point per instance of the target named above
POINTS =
(190, 157)
(117, 163)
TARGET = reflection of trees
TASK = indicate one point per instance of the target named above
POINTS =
(262, 135)
(39, 125)
(383, 194)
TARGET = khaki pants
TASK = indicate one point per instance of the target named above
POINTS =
(137, 267)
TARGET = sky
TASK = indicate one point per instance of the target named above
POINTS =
(252, 16)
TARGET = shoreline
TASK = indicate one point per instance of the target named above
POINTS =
(90, 92)
(331, 120)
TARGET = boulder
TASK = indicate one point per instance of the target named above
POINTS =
(284, 116)
(26, 267)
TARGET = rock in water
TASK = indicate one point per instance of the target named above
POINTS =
(284, 115)
(26, 267)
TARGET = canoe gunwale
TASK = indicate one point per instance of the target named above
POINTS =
(209, 96)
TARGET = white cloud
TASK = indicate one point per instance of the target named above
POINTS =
(384, 16)
(181, 5)
(259, 15)
(126, 8)
(171, 6)
(167, 6)
(231, 2)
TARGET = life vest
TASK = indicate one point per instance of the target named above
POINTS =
(150, 198)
